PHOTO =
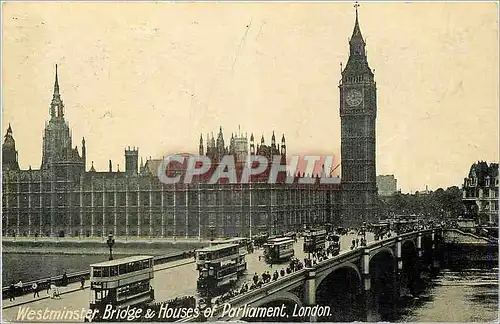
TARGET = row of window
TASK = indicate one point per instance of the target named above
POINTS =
(133, 289)
(218, 254)
(36, 201)
(112, 271)
(357, 78)
(145, 224)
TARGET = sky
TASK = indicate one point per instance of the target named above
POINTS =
(156, 75)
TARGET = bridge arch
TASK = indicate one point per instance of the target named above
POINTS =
(340, 288)
(409, 241)
(382, 251)
(280, 296)
(326, 273)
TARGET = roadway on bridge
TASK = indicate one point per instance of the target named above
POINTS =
(174, 279)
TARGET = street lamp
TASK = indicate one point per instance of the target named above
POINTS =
(212, 232)
(364, 233)
(110, 242)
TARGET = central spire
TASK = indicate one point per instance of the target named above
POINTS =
(56, 84)
(56, 106)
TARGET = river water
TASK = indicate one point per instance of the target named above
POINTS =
(27, 267)
(31, 266)
(468, 295)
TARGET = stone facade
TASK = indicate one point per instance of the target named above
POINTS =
(480, 193)
(63, 199)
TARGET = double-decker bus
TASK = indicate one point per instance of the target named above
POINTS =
(217, 266)
(342, 231)
(244, 246)
(314, 240)
(279, 249)
(260, 239)
(380, 229)
(333, 244)
(121, 283)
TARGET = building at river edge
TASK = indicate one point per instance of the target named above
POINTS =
(63, 198)
(480, 193)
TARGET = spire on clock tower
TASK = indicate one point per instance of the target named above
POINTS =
(357, 64)
(357, 43)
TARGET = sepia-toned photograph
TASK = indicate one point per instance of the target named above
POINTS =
(250, 162)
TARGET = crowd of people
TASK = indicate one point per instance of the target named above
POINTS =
(267, 277)
(358, 242)
(261, 280)
(52, 287)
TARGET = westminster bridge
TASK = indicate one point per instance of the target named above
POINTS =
(358, 285)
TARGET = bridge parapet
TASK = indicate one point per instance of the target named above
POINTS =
(461, 237)
(338, 260)
(415, 233)
(257, 297)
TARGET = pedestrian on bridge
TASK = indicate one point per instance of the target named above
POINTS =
(64, 279)
(82, 282)
(12, 292)
(35, 289)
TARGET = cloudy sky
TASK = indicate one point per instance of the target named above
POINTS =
(156, 75)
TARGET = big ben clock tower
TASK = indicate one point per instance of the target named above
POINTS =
(358, 111)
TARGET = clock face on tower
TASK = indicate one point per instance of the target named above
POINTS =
(354, 97)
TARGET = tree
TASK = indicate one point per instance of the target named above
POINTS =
(437, 204)
(452, 202)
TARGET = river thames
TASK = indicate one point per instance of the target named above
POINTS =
(468, 295)
(32, 266)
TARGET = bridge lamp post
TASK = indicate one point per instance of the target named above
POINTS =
(110, 242)
(364, 232)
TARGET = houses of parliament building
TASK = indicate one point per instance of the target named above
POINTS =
(63, 198)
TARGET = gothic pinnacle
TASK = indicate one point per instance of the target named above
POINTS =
(56, 84)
